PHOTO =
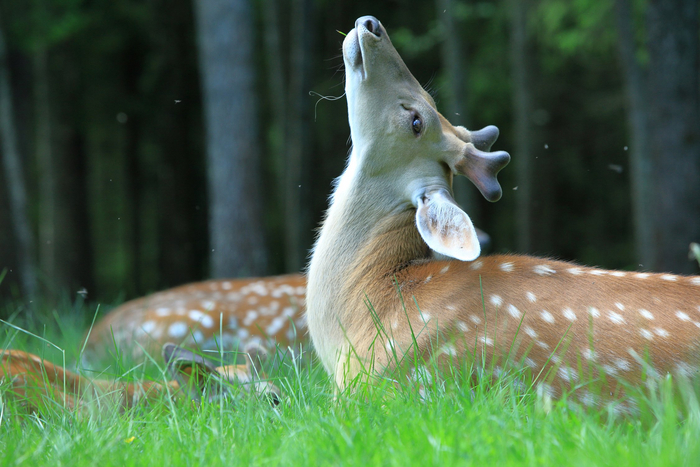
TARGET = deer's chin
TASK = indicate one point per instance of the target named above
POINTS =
(352, 55)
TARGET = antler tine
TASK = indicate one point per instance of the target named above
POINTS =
(482, 167)
(483, 139)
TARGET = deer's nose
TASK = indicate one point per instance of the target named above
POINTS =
(370, 23)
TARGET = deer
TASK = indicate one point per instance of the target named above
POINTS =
(38, 386)
(213, 315)
(396, 271)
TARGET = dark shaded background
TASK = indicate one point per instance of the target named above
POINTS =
(598, 103)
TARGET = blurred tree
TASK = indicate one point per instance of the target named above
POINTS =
(226, 45)
(521, 69)
(297, 226)
(453, 64)
(674, 129)
(640, 163)
(15, 179)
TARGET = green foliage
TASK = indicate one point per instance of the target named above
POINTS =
(459, 423)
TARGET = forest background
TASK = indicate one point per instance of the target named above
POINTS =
(149, 143)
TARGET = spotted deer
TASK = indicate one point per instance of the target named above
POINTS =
(395, 271)
(211, 315)
(38, 385)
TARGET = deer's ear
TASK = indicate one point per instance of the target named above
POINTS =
(195, 374)
(445, 227)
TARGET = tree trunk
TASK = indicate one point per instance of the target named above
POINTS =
(226, 46)
(15, 179)
(674, 129)
(453, 63)
(639, 157)
(297, 225)
(276, 126)
(522, 110)
(47, 172)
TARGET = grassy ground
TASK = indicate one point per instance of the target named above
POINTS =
(460, 424)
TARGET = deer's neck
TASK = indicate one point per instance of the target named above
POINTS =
(362, 242)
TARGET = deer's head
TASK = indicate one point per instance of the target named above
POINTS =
(401, 142)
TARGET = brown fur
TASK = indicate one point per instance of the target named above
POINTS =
(567, 323)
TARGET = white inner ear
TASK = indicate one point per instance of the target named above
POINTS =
(445, 227)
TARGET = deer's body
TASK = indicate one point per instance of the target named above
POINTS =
(374, 282)
(209, 315)
(38, 384)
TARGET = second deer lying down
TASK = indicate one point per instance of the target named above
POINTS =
(216, 314)
(38, 385)
(377, 292)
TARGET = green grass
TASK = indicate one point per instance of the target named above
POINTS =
(459, 423)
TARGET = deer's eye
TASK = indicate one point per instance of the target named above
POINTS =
(417, 125)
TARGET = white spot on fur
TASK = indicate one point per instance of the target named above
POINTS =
(531, 297)
(496, 300)
(514, 312)
(449, 349)
(545, 389)
(200, 317)
(620, 306)
(547, 316)
(682, 316)
(642, 275)
(252, 300)
(588, 354)
(445, 269)
(543, 270)
(575, 271)
(569, 314)
(530, 362)
(588, 399)
(242, 333)
(177, 329)
(462, 326)
(425, 316)
(486, 340)
(661, 332)
(275, 326)
(695, 281)
(163, 311)
(567, 373)
(475, 319)
(618, 274)
(250, 317)
(622, 364)
(427, 279)
(389, 345)
(530, 332)
(476, 265)
(646, 334)
(616, 317)
(506, 267)
(646, 313)
(610, 370)
(148, 326)
(394, 324)
(596, 272)
(669, 277)
(226, 286)
(594, 312)
(543, 345)
(207, 305)
(686, 370)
